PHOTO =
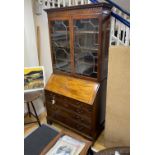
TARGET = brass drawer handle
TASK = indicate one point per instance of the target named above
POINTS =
(79, 111)
(90, 109)
(79, 127)
(77, 117)
(65, 105)
(78, 103)
(81, 120)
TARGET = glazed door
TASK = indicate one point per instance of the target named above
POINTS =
(86, 46)
(60, 44)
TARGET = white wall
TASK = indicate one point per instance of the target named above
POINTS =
(30, 47)
(124, 4)
(41, 21)
(31, 21)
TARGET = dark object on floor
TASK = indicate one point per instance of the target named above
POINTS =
(37, 140)
(28, 98)
(112, 151)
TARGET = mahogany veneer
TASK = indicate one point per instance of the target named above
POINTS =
(76, 91)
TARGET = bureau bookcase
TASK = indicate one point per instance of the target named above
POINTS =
(76, 91)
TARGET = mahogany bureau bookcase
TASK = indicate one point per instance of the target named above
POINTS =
(76, 91)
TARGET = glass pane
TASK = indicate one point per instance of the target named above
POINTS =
(86, 46)
(61, 45)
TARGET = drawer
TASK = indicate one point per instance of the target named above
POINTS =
(71, 123)
(51, 95)
(69, 114)
(72, 105)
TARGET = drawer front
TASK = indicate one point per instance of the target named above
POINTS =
(75, 106)
(61, 117)
(54, 109)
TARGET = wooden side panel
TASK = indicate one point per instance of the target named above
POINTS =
(78, 89)
(105, 29)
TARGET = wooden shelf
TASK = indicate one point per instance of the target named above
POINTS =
(61, 64)
(87, 63)
(63, 59)
(87, 48)
(86, 32)
(83, 67)
(62, 32)
(76, 31)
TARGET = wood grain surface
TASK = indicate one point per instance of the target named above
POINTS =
(78, 89)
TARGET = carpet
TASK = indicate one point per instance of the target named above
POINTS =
(38, 139)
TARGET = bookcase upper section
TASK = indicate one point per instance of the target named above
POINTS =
(79, 40)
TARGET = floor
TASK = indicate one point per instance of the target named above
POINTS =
(98, 145)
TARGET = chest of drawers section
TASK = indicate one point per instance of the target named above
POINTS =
(69, 112)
